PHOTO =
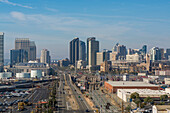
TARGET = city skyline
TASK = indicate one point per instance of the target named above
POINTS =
(131, 23)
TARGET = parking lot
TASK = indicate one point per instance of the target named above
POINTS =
(9, 100)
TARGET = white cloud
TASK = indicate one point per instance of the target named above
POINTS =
(15, 4)
(18, 15)
(74, 26)
(60, 28)
(51, 9)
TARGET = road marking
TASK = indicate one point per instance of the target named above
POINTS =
(32, 94)
(67, 105)
(36, 96)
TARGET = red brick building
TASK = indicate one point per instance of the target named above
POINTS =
(112, 86)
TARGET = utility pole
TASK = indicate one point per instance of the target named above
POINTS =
(122, 101)
(76, 68)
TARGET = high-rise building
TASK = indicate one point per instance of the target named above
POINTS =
(87, 56)
(167, 54)
(102, 56)
(92, 49)
(1, 51)
(18, 56)
(129, 51)
(27, 45)
(32, 50)
(119, 52)
(74, 51)
(115, 47)
(82, 51)
(155, 54)
(45, 56)
(144, 49)
(162, 53)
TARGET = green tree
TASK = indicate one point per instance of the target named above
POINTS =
(142, 105)
(163, 97)
(137, 101)
(134, 95)
(148, 100)
(128, 108)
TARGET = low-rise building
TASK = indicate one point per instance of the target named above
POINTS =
(143, 93)
(112, 86)
(167, 90)
(161, 109)
(81, 64)
(133, 58)
(36, 73)
(4, 75)
(27, 67)
(22, 75)
(159, 72)
(105, 66)
(63, 62)
(167, 81)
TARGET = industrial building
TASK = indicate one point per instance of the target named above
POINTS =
(36, 73)
(5, 75)
(112, 86)
(143, 93)
(27, 67)
(22, 75)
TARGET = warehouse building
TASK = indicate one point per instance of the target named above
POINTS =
(143, 93)
(161, 109)
(112, 86)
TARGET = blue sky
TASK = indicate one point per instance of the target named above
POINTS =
(53, 23)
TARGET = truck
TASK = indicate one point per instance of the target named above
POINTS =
(21, 106)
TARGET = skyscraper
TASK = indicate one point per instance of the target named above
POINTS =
(92, 49)
(87, 56)
(32, 50)
(45, 56)
(144, 49)
(155, 54)
(167, 54)
(28, 46)
(1, 51)
(74, 50)
(82, 51)
(119, 52)
(162, 53)
(18, 56)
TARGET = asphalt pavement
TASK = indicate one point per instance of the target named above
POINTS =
(62, 107)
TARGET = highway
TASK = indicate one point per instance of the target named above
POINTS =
(83, 105)
(62, 107)
(101, 101)
(61, 102)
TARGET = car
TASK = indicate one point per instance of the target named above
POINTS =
(87, 110)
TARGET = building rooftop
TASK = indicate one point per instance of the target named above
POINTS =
(31, 64)
(130, 84)
(144, 92)
(1, 33)
(4, 87)
(162, 107)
